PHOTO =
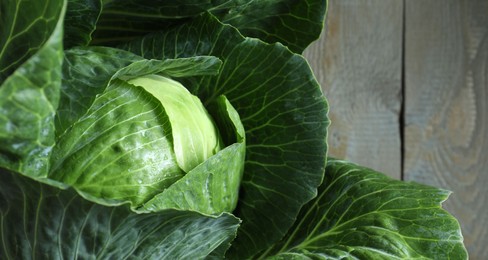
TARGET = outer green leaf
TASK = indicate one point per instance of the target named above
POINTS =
(80, 22)
(38, 221)
(295, 23)
(362, 214)
(32, 36)
(122, 20)
(282, 109)
(25, 28)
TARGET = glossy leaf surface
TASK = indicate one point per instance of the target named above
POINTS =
(121, 150)
(212, 186)
(30, 75)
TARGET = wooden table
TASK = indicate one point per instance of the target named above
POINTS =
(407, 84)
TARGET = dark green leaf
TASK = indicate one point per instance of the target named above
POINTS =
(283, 112)
(295, 23)
(80, 22)
(122, 20)
(25, 28)
(32, 52)
(362, 214)
(38, 221)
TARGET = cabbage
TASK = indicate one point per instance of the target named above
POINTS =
(186, 130)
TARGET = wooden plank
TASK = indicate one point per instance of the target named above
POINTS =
(446, 134)
(358, 62)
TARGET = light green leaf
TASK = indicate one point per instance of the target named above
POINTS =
(195, 136)
(362, 214)
(120, 151)
(213, 186)
(30, 63)
(282, 110)
(38, 221)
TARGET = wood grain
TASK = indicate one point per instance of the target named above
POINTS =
(446, 134)
(358, 62)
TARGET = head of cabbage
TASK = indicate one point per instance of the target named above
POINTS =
(146, 140)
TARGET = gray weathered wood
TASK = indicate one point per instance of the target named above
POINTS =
(358, 62)
(446, 134)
